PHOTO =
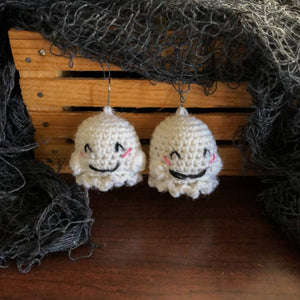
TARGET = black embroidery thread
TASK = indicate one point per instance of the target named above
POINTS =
(118, 146)
(105, 170)
(87, 148)
(205, 152)
(183, 176)
(174, 153)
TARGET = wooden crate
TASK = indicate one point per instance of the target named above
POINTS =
(59, 98)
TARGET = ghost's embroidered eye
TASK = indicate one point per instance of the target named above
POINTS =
(118, 146)
(87, 148)
(205, 152)
(174, 153)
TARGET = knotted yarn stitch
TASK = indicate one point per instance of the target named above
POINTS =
(183, 157)
(107, 152)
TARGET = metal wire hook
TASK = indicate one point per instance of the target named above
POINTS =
(108, 93)
(183, 93)
(183, 97)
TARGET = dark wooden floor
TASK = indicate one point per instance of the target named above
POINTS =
(156, 247)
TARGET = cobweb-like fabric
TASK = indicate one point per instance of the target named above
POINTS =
(203, 42)
(39, 213)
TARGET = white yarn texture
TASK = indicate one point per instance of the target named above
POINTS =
(107, 152)
(183, 157)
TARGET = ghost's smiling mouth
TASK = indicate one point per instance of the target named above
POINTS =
(183, 176)
(105, 170)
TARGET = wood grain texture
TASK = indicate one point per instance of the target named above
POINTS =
(155, 247)
(65, 124)
(60, 92)
(23, 34)
(57, 155)
(51, 61)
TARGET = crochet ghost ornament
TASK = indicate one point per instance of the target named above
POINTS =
(183, 157)
(107, 152)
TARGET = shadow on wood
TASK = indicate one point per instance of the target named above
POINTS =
(157, 247)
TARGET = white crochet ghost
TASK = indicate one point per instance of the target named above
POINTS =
(183, 157)
(107, 152)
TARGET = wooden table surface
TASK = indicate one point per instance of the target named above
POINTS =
(156, 247)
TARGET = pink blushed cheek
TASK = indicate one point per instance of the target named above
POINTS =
(81, 154)
(126, 153)
(166, 160)
(213, 158)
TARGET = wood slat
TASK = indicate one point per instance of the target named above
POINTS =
(51, 125)
(46, 92)
(58, 93)
(59, 154)
(26, 48)
(23, 34)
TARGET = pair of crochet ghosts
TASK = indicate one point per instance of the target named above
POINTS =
(183, 155)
